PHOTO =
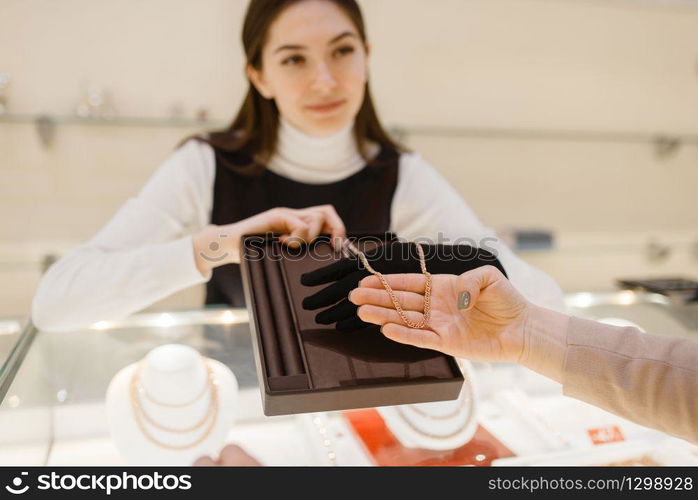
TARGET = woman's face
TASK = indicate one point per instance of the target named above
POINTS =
(314, 65)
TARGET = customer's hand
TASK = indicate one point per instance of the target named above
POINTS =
(390, 258)
(490, 328)
(218, 245)
(231, 455)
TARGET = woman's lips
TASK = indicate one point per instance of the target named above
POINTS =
(324, 108)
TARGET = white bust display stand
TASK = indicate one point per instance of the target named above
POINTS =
(174, 375)
(443, 425)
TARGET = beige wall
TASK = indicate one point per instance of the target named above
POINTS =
(629, 66)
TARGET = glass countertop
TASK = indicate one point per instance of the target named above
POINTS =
(59, 379)
(651, 312)
(82, 361)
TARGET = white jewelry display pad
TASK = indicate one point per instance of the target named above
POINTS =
(137, 449)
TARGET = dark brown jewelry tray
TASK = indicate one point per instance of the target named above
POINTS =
(304, 366)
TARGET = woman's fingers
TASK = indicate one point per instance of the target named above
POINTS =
(305, 224)
(293, 227)
(405, 282)
(470, 284)
(282, 220)
(410, 301)
(299, 235)
(332, 221)
(316, 221)
(382, 315)
(204, 461)
(426, 339)
(230, 455)
(234, 455)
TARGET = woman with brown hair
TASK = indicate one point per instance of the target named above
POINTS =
(306, 154)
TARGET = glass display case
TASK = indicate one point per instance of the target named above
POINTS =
(53, 387)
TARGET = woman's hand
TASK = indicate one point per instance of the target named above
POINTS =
(231, 455)
(487, 324)
(218, 245)
(394, 257)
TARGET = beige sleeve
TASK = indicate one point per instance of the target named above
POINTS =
(649, 379)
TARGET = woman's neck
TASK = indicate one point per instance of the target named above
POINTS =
(316, 160)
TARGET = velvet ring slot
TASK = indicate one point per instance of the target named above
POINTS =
(285, 330)
(280, 353)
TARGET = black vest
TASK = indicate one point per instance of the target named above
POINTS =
(362, 200)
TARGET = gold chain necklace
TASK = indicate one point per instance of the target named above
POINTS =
(393, 297)
(141, 416)
(144, 393)
(449, 435)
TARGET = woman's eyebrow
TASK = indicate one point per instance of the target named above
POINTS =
(302, 47)
(340, 36)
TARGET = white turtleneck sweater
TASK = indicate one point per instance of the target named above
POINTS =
(145, 252)
(317, 160)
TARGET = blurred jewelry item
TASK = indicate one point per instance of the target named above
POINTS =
(326, 441)
(143, 419)
(96, 103)
(388, 288)
(176, 111)
(46, 128)
(202, 115)
(142, 391)
(4, 97)
(443, 425)
(412, 415)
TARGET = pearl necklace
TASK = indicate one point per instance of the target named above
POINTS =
(326, 441)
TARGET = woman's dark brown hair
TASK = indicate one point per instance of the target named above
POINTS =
(252, 134)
